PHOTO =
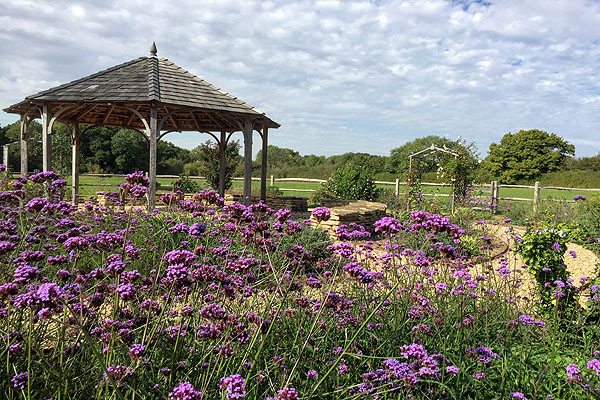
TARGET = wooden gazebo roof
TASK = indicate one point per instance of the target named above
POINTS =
(109, 97)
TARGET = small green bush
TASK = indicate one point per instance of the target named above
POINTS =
(187, 185)
(353, 182)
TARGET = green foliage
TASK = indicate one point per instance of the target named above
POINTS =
(397, 163)
(543, 250)
(579, 178)
(207, 156)
(527, 155)
(587, 225)
(353, 182)
(187, 185)
(584, 163)
(130, 151)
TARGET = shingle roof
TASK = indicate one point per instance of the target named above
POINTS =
(195, 103)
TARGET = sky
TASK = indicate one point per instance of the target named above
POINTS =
(339, 76)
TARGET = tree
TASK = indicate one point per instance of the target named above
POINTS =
(398, 164)
(171, 158)
(96, 150)
(130, 151)
(279, 157)
(207, 157)
(526, 155)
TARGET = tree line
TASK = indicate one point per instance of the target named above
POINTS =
(520, 157)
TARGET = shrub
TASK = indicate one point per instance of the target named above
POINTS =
(187, 185)
(543, 250)
(353, 182)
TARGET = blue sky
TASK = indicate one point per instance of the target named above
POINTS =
(362, 76)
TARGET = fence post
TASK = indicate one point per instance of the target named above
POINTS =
(272, 181)
(536, 196)
(397, 189)
(495, 196)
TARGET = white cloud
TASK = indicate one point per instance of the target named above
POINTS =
(388, 70)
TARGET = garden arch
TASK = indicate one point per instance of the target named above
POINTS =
(424, 153)
(150, 95)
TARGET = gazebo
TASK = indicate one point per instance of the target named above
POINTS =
(152, 96)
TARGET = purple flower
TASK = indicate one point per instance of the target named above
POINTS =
(137, 178)
(518, 395)
(288, 393)
(556, 246)
(579, 197)
(321, 214)
(594, 365)
(136, 350)
(312, 374)
(573, 253)
(282, 215)
(185, 391)
(234, 385)
(526, 320)
(573, 374)
(479, 376)
(387, 226)
(20, 381)
(452, 370)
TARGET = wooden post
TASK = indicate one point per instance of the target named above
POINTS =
(397, 187)
(536, 196)
(495, 195)
(153, 136)
(247, 162)
(263, 167)
(23, 139)
(222, 163)
(5, 155)
(272, 181)
(46, 139)
(75, 164)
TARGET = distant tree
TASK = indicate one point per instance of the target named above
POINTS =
(130, 151)
(279, 157)
(527, 154)
(34, 148)
(584, 163)
(312, 160)
(398, 162)
(207, 158)
(171, 158)
(96, 150)
(374, 163)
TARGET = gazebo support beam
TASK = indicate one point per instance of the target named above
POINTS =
(76, 140)
(23, 138)
(153, 138)
(222, 163)
(248, 130)
(46, 139)
(263, 169)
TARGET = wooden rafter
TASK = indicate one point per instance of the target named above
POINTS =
(107, 116)
(195, 120)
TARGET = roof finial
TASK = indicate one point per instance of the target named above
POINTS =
(153, 49)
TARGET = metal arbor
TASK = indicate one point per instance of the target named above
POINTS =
(152, 96)
(424, 153)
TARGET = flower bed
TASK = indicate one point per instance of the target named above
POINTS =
(211, 300)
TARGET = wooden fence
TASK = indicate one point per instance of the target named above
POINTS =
(492, 188)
